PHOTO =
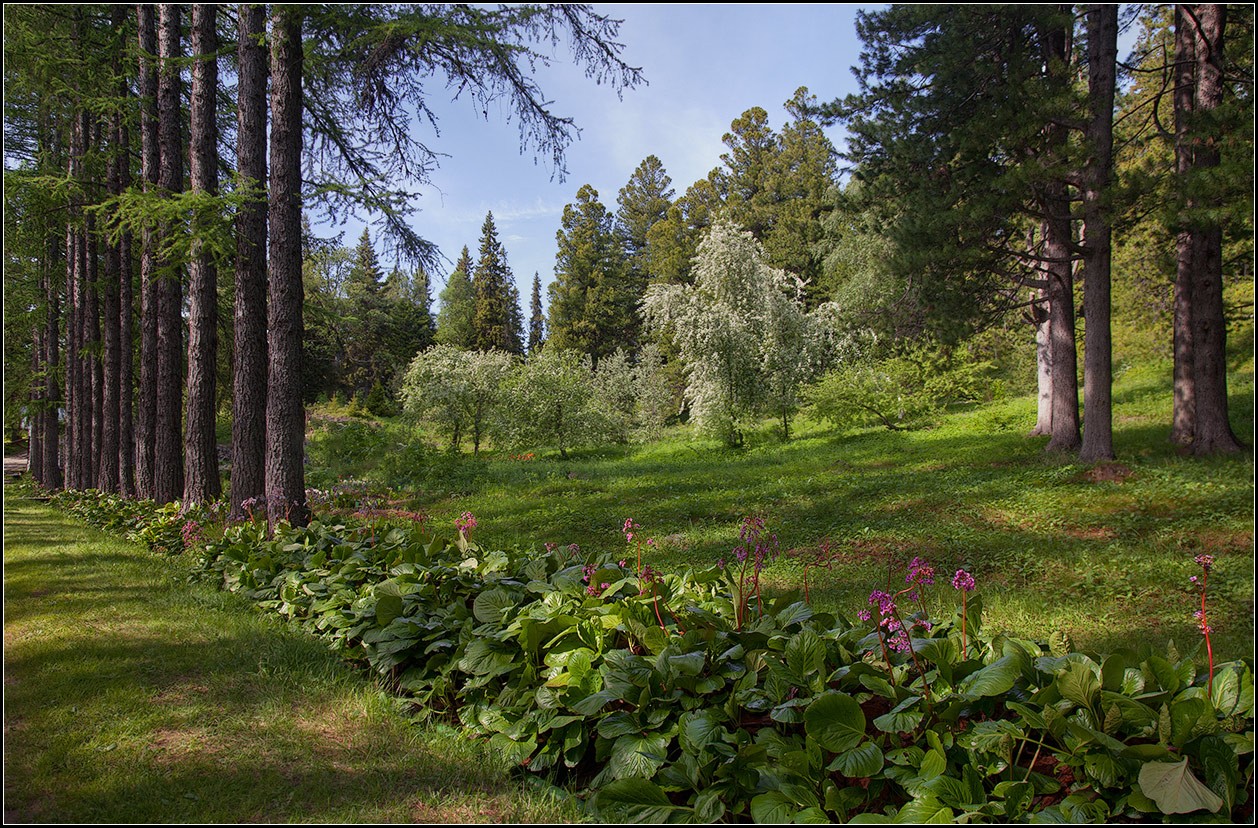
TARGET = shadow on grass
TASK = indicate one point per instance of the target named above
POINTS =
(133, 697)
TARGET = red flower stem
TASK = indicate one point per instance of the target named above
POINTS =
(1205, 630)
(964, 649)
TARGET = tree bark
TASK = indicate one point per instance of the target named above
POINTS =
(285, 413)
(1183, 409)
(108, 479)
(150, 158)
(51, 476)
(201, 479)
(167, 442)
(1098, 424)
(249, 355)
(1212, 433)
(1055, 205)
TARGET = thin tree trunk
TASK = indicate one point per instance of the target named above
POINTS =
(150, 156)
(51, 476)
(95, 368)
(1043, 367)
(249, 356)
(34, 434)
(168, 443)
(1183, 410)
(285, 414)
(111, 333)
(201, 480)
(1057, 240)
(1098, 423)
(1212, 433)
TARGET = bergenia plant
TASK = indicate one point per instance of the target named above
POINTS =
(1203, 623)
(964, 582)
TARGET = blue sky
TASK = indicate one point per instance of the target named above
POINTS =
(704, 64)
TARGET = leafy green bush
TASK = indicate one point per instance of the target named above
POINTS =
(692, 697)
(900, 392)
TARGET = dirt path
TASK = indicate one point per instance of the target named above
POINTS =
(15, 464)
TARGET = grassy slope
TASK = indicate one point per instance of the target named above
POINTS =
(1054, 545)
(132, 697)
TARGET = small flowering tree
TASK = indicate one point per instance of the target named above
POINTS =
(744, 337)
(457, 391)
(551, 401)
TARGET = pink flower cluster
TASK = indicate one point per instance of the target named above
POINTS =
(963, 581)
(465, 523)
(191, 533)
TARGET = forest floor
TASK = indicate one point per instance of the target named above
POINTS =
(132, 696)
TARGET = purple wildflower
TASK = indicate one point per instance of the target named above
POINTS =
(963, 581)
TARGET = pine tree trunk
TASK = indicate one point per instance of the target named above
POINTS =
(285, 414)
(120, 321)
(1212, 433)
(1098, 428)
(150, 156)
(51, 476)
(110, 330)
(1183, 410)
(168, 442)
(34, 434)
(1055, 205)
(201, 479)
(249, 358)
(95, 368)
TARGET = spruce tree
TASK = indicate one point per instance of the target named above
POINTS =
(537, 319)
(593, 301)
(642, 202)
(492, 282)
(285, 415)
(201, 480)
(455, 324)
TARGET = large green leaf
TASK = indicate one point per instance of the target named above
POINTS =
(388, 602)
(772, 808)
(634, 754)
(860, 762)
(995, 679)
(928, 809)
(1175, 790)
(805, 654)
(492, 603)
(634, 800)
(835, 721)
(1078, 683)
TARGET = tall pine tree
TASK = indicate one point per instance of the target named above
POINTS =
(493, 321)
(455, 319)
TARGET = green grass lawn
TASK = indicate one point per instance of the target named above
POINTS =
(131, 696)
(1103, 554)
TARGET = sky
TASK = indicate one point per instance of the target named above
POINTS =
(704, 66)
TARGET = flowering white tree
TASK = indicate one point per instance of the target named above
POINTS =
(745, 340)
(552, 402)
(456, 390)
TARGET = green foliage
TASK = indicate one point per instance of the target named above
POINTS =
(552, 402)
(497, 321)
(455, 324)
(457, 391)
(741, 332)
(646, 691)
(594, 299)
(900, 392)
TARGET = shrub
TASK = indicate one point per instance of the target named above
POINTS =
(693, 697)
